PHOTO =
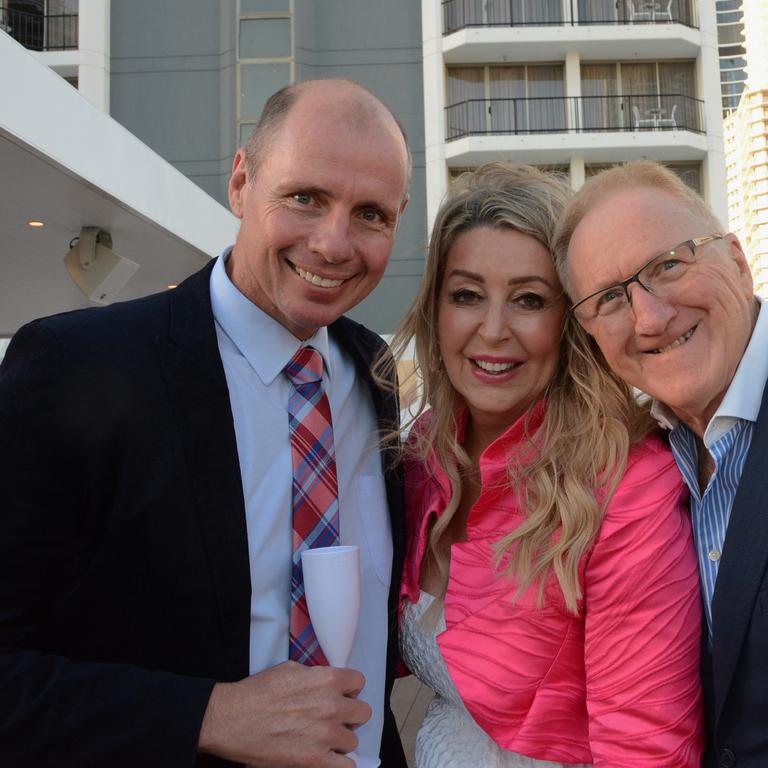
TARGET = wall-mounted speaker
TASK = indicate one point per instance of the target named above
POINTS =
(95, 268)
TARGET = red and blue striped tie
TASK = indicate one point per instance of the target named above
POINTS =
(315, 488)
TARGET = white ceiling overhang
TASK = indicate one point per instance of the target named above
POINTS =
(66, 163)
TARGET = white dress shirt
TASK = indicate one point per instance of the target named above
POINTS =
(727, 438)
(254, 349)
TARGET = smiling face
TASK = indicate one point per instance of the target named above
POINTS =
(500, 316)
(319, 218)
(684, 350)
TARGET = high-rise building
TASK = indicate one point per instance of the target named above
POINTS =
(575, 85)
(730, 46)
(746, 144)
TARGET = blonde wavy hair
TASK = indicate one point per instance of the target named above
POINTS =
(591, 420)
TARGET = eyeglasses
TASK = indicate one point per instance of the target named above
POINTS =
(656, 276)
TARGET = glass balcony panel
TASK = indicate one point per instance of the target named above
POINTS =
(600, 111)
(555, 114)
(600, 11)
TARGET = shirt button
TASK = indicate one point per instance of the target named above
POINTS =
(714, 555)
(727, 759)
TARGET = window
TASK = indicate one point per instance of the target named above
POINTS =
(41, 25)
(458, 14)
(522, 98)
(621, 95)
(265, 60)
(728, 34)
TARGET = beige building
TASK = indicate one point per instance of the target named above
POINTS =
(574, 85)
(746, 147)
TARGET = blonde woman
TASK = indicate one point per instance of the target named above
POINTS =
(550, 594)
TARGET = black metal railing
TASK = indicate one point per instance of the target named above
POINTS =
(575, 114)
(459, 14)
(39, 32)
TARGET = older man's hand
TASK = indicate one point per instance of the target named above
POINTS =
(289, 715)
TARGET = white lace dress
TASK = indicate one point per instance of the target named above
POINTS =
(448, 737)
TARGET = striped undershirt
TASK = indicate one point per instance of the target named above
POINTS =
(711, 512)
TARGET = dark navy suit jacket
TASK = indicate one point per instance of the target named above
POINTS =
(735, 674)
(124, 571)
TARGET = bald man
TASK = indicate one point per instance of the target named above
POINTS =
(666, 294)
(146, 536)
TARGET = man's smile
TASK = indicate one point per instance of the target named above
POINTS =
(676, 343)
(323, 282)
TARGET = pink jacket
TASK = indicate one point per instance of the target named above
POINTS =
(616, 685)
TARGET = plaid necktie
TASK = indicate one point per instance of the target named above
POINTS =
(315, 488)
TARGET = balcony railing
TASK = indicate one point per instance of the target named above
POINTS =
(39, 32)
(459, 14)
(575, 114)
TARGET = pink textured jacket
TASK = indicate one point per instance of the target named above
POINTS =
(616, 685)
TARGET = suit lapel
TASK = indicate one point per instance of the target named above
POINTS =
(199, 400)
(358, 342)
(745, 555)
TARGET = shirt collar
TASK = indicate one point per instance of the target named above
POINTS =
(266, 344)
(743, 398)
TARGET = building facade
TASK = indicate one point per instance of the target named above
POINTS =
(730, 45)
(572, 84)
(746, 142)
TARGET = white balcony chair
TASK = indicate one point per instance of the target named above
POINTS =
(666, 13)
(668, 122)
(641, 122)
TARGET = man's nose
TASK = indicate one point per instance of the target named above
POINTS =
(330, 237)
(651, 313)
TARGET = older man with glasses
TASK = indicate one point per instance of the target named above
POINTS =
(667, 296)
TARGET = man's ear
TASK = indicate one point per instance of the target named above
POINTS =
(403, 206)
(736, 253)
(238, 182)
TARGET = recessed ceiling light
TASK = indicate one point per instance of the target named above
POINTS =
(36, 224)
(172, 285)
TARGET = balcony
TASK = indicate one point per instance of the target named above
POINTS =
(39, 32)
(551, 130)
(461, 14)
(574, 114)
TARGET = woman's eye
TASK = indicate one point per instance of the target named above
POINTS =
(464, 296)
(529, 301)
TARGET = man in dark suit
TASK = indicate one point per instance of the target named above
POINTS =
(145, 479)
(667, 296)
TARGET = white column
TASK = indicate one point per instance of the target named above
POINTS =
(434, 106)
(715, 186)
(93, 72)
(573, 88)
(578, 173)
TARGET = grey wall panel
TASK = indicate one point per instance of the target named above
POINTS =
(173, 83)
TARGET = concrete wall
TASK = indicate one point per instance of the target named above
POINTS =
(173, 83)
